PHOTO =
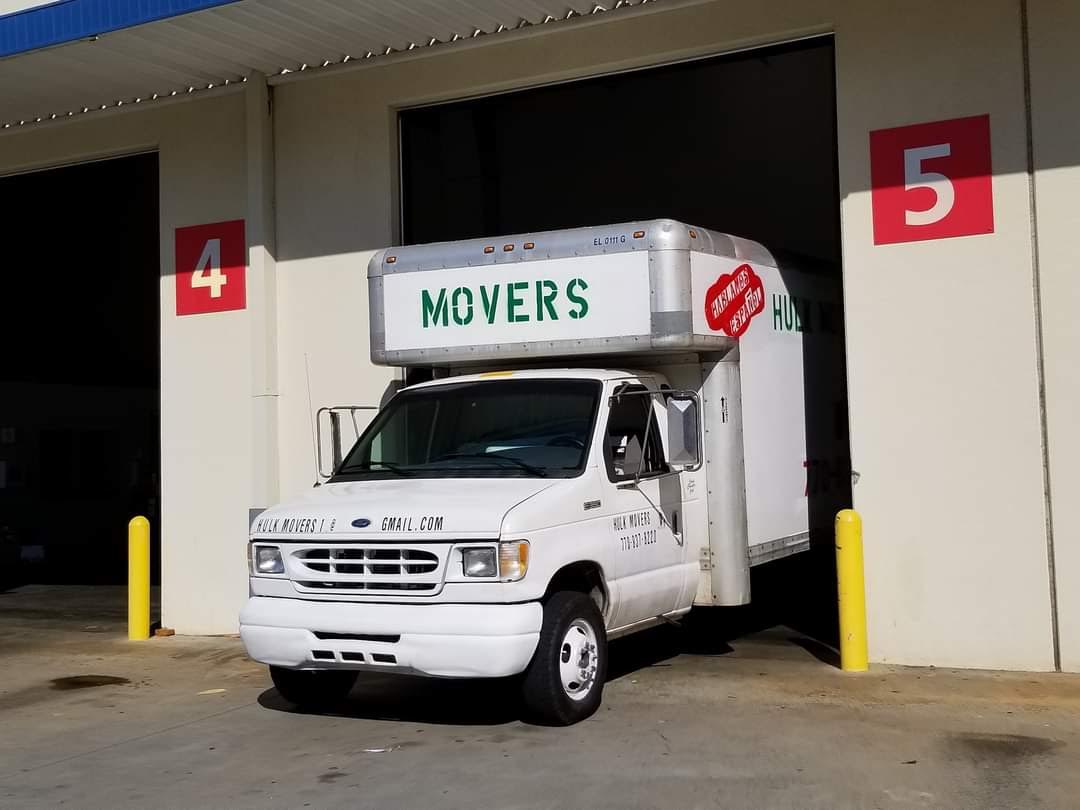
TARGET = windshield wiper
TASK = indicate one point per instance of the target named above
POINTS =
(370, 466)
(538, 471)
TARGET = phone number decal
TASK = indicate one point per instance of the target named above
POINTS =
(633, 530)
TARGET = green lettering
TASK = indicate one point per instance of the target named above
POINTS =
(777, 314)
(462, 319)
(434, 312)
(789, 319)
(546, 301)
(513, 302)
(491, 304)
(571, 293)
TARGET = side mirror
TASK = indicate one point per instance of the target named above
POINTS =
(683, 431)
(329, 450)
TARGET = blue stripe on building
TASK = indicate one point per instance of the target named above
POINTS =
(72, 20)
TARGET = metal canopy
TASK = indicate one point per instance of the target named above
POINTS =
(199, 50)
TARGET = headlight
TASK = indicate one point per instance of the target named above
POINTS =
(479, 562)
(513, 560)
(267, 560)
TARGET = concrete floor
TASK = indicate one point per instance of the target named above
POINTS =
(88, 719)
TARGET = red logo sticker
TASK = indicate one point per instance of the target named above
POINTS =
(734, 300)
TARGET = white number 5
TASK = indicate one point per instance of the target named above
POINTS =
(915, 177)
(210, 260)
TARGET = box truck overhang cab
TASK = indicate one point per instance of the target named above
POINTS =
(512, 515)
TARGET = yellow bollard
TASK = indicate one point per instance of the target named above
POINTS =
(851, 591)
(139, 579)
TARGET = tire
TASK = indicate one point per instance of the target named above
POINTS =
(313, 689)
(572, 634)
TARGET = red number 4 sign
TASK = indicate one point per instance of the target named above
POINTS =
(932, 181)
(210, 268)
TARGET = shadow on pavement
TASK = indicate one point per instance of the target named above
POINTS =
(413, 699)
(822, 652)
(798, 594)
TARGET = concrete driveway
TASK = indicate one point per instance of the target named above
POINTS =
(88, 719)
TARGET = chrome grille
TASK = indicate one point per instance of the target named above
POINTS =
(367, 569)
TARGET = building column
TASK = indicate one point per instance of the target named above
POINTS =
(262, 291)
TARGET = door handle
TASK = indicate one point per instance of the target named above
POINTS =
(675, 527)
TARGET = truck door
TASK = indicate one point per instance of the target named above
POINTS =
(646, 499)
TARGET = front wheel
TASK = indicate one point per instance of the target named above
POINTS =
(313, 689)
(565, 680)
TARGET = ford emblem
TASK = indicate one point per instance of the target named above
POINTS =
(361, 523)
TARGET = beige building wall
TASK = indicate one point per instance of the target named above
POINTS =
(942, 339)
(942, 355)
(944, 411)
(1055, 75)
(205, 360)
(333, 212)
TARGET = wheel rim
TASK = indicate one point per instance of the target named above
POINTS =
(578, 659)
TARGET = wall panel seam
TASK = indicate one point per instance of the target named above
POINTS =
(1040, 363)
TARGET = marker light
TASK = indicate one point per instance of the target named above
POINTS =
(513, 560)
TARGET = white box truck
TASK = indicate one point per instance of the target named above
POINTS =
(619, 422)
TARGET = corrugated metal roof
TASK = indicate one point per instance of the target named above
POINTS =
(221, 45)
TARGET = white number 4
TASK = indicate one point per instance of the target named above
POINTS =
(915, 177)
(208, 269)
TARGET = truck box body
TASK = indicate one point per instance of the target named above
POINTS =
(760, 341)
(622, 289)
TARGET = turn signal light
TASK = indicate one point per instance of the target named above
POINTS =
(513, 560)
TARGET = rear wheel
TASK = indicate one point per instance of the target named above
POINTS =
(565, 680)
(313, 689)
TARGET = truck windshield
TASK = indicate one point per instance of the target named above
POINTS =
(485, 429)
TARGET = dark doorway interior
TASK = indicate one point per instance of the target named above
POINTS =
(742, 143)
(79, 380)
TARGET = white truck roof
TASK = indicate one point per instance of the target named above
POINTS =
(624, 288)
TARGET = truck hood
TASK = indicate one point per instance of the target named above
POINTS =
(443, 508)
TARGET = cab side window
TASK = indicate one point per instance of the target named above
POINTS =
(627, 447)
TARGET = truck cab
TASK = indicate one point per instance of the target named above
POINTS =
(516, 512)
(469, 503)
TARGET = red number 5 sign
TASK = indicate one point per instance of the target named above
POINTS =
(931, 181)
(210, 265)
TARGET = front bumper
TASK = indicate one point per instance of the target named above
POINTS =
(450, 641)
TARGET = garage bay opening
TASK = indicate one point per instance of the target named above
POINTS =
(79, 380)
(742, 143)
